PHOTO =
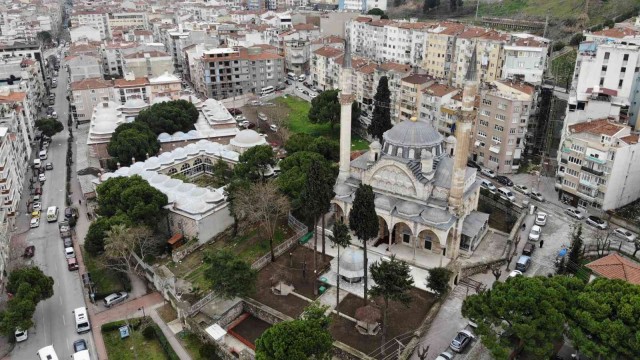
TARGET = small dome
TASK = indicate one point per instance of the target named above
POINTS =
(450, 139)
(213, 197)
(375, 145)
(383, 202)
(436, 216)
(247, 138)
(352, 263)
(164, 137)
(409, 208)
(343, 190)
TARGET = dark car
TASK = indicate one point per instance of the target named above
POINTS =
(306, 84)
(79, 345)
(234, 111)
(306, 92)
(528, 249)
(473, 164)
(251, 125)
(287, 82)
(29, 251)
(504, 180)
(597, 222)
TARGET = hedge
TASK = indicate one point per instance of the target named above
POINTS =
(168, 349)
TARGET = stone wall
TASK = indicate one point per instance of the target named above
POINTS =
(345, 352)
(264, 312)
(231, 314)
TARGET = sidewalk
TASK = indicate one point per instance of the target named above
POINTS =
(171, 337)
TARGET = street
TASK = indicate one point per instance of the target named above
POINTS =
(54, 320)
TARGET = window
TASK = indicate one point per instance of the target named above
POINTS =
(569, 184)
(500, 117)
(575, 160)
(484, 123)
(502, 106)
(606, 56)
(493, 158)
(620, 83)
(482, 134)
(512, 131)
(486, 102)
(485, 112)
(623, 69)
(601, 81)
(577, 148)
(507, 162)
(604, 68)
(498, 127)
(625, 57)
(496, 139)
(571, 172)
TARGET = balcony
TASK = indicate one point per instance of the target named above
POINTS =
(5, 191)
(588, 184)
(565, 149)
(586, 195)
(595, 160)
(592, 171)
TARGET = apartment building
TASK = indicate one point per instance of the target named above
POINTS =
(525, 56)
(23, 75)
(411, 90)
(440, 50)
(321, 64)
(96, 19)
(501, 125)
(20, 122)
(30, 50)
(296, 46)
(599, 165)
(84, 32)
(164, 86)
(127, 20)
(232, 72)
(86, 94)
(362, 5)
(435, 97)
(148, 63)
(489, 47)
(83, 67)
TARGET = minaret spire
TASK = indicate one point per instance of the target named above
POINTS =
(346, 99)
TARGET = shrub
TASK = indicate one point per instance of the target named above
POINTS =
(208, 351)
(559, 45)
(112, 326)
(149, 332)
(576, 39)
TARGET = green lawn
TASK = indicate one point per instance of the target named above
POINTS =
(135, 346)
(298, 122)
(562, 68)
(106, 281)
(192, 344)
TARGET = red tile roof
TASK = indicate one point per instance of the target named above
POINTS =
(519, 85)
(614, 266)
(417, 79)
(631, 139)
(131, 83)
(616, 32)
(597, 127)
(13, 96)
(91, 83)
(439, 90)
(328, 51)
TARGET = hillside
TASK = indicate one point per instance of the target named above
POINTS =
(565, 16)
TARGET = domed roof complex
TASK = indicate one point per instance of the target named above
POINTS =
(352, 263)
(246, 139)
(407, 139)
(105, 119)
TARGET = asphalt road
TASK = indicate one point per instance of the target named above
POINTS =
(54, 320)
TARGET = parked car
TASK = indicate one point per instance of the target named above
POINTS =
(506, 194)
(514, 273)
(625, 234)
(504, 180)
(521, 189)
(42, 178)
(575, 213)
(21, 335)
(37, 205)
(528, 249)
(473, 164)
(534, 234)
(68, 242)
(461, 341)
(536, 195)
(49, 166)
(488, 173)
(29, 251)
(523, 263)
(597, 222)
(445, 356)
(35, 222)
(35, 214)
(488, 185)
(115, 298)
(79, 345)
(273, 127)
(541, 218)
(234, 111)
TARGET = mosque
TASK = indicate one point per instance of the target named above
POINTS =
(426, 197)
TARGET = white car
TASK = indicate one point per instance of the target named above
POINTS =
(445, 356)
(21, 335)
(37, 205)
(488, 185)
(514, 273)
(575, 213)
(488, 173)
(42, 178)
(625, 234)
(273, 127)
(536, 195)
(521, 189)
(534, 234)
(541, 218)
(35, 222)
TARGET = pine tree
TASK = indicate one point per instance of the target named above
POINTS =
(381, 121)
(363, 220)
(575, 255)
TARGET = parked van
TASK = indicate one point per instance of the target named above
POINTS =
(82, 320)
(43, 155)
(69, 253)
(72, 264)
(528, 249)
(291, 76)
(36, 163)
(52, 214)
(47, 353)
(302, 77)
(523, 263)
(506, 194)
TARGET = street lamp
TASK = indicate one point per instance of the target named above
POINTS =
(142, 308)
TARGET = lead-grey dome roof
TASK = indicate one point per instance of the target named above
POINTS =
(413, 133)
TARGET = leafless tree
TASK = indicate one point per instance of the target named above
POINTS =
(636, 244)
(602, 241)
(262, 203)
(423, 352)
(16, 250)
(121, 243)
(495, 270)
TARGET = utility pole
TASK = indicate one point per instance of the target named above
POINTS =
(477, 7)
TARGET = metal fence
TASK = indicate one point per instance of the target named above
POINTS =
(301, 230)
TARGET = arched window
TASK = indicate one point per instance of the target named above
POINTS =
(412, 153)
(399, 154)
(197, 161)
(172, 171)
(208, 161)
(197, 166)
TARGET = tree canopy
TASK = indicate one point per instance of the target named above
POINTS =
(94, 240)
(44, 37)
(604, 320)
(133, 140)
(379, 12)
(531, 309)
(438, 280)
(29, 286)
(255, 163)
(293, 174)
(229, 275)
(294, 340)
(325, 108)
(49, 127)
(133, 197)
(381, 120)
(328, 148)
(169, 117)
(363, 219)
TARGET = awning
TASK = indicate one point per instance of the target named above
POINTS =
(604, 91)
(495, 149)
(174, 239)
(216, 332)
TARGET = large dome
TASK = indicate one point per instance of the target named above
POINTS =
(408, 139)
(248, 138)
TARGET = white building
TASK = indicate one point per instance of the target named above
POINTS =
(525, 55)
(362, 5)
(599, 165)
(83, 67)
(85, 32)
